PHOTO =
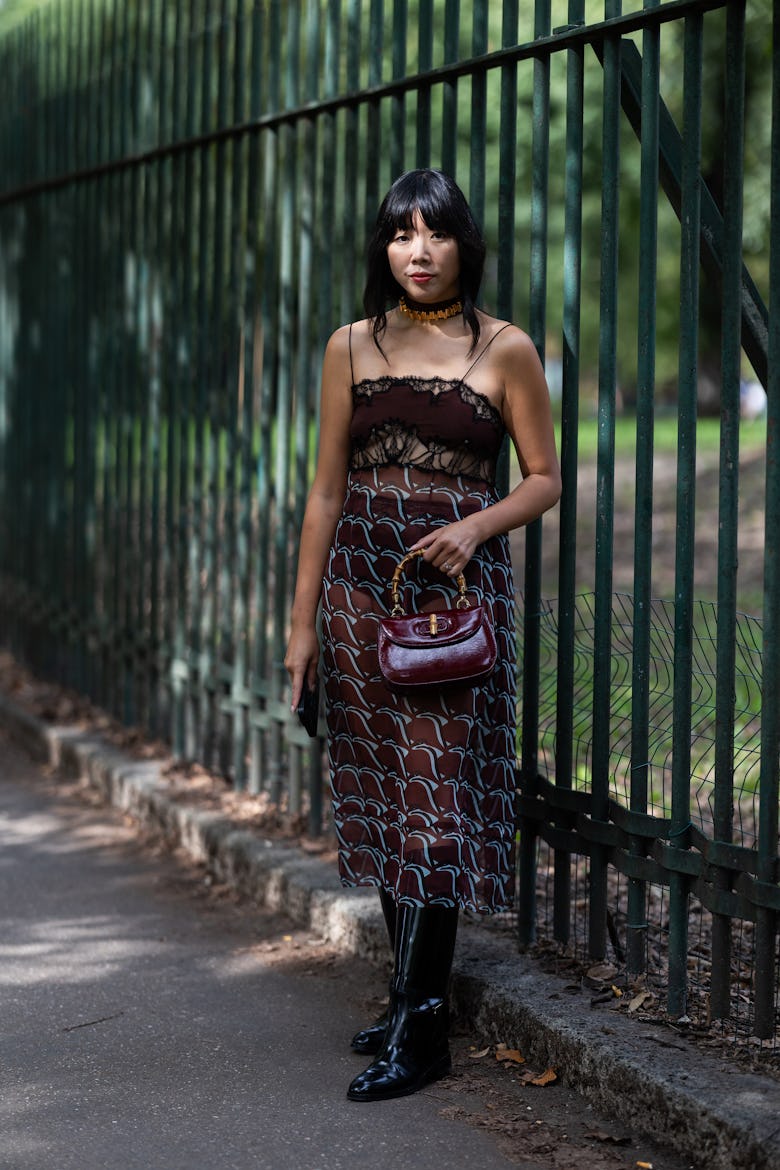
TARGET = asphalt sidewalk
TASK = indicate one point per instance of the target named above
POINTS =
(642, 1075)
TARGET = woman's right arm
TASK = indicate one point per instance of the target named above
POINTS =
(323, 509)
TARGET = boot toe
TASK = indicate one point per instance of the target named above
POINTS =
(385, 1079)
(380, 1081)
(368, 1041)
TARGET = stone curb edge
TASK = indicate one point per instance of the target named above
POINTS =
(717, 1116)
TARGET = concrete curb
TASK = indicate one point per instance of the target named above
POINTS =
(642, 1075)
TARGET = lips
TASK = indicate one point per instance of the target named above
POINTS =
(421, 278)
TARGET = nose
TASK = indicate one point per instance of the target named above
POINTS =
(419, 247)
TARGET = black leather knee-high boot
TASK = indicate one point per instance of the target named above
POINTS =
(415, 1049)
(369, 1040)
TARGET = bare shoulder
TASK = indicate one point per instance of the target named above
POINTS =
(353, 338)
(509, 342)
(339, 341)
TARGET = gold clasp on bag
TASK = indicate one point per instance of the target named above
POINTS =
(434, 625)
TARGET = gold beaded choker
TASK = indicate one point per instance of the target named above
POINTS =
(438, 312)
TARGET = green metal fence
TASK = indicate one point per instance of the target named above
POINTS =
(185, 192)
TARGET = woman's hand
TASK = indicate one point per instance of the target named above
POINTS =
(450, 549)
(303, 654)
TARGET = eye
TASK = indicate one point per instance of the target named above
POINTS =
(400, 237)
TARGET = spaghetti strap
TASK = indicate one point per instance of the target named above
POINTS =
(483, 351)
(351, 367)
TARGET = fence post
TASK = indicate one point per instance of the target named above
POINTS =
(686, 491)
(766, 922)
(605, 490)
(636, 925)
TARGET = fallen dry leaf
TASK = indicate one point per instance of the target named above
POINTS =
(639, 999)
(546, 1078)
(644, 1166)
(511, 1055)
(616, 991)
(479, 1055)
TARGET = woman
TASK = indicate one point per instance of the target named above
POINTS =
(416, 400)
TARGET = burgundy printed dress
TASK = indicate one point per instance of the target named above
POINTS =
(423, 786)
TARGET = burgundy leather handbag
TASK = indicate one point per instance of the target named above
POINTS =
(442, 648)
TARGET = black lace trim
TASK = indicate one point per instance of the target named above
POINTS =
(484, 410)
(396, 443)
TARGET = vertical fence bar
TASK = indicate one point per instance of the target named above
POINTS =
(153, 660)
(217, 391)
(329, 146)
(526, 856)
(351, 128)
(248, 739)
(605, 488)
(167, 216)
(103, 406)
(187, 353)
(83, 598)
(198, 701)
(36, 423)
(507, 167)
(346, 307)
(125, 183)
(567, 557)
(686, 506)
(424, 62)
(234, 560)
(179, 350)
(140, 634)
(636, 926)
(83, 454)
(329, 140)
(305, 394)
(449, 113)
(136, 417)
(373, 114)
(769, 787)
(261, 724)
(728, 510)
(74, 354)
(479, 44)
(398, 101)
(288, 228)
(532, 609)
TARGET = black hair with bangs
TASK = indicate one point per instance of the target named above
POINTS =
(443, 207)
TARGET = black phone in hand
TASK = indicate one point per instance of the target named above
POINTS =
(308, 709)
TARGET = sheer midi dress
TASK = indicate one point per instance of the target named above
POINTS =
(423, 786)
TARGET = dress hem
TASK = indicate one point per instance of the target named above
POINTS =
(460, 904)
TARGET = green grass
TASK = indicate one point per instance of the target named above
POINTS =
(752, 435)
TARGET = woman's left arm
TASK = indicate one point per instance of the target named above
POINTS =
(528, 420)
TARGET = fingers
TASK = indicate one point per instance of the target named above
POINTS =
(301, 660)
(301, 675)
(296, 691)
(444, 552)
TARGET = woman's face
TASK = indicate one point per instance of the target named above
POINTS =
(425, 263)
